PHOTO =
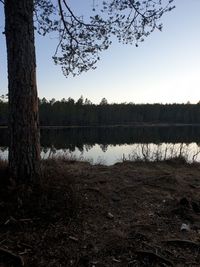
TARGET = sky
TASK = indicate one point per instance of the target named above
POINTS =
(165, 68)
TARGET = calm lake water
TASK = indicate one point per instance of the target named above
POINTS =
(108, 145)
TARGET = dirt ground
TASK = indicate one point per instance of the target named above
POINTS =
(128, 214)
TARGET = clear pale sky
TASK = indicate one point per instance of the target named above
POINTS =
(163, 69)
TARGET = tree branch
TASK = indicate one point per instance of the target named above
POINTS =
(143, 14)
(63, 20)
(72, 14)
(76, 19)
(136, 10)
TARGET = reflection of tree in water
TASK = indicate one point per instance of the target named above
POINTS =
(80, 147)
(141, 152)
(77, 137)
(87, 147)
(104, 148)
(44, 149)
(70, 138)
(71, 147)
(150, 143)
(49, 151)
(52, 151)
(3, 148)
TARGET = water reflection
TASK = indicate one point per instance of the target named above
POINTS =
(110, 145)
(117, 153)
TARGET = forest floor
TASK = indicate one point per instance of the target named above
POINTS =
(128, 214)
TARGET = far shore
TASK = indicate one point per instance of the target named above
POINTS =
(116, 125)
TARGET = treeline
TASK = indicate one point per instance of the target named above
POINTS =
(84, 113)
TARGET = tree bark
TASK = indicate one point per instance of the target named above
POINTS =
(24, 146)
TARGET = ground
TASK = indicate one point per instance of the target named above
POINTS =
(128, 214)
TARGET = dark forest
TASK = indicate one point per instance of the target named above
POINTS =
(84, 113)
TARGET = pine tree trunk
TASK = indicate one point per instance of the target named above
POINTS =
(24, 146)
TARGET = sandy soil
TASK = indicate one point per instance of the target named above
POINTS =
(129, 214)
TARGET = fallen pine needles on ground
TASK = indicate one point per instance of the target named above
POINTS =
(128, 214)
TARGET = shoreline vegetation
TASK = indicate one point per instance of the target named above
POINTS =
(127, 214)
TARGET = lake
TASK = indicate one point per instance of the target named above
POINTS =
(108, 145)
